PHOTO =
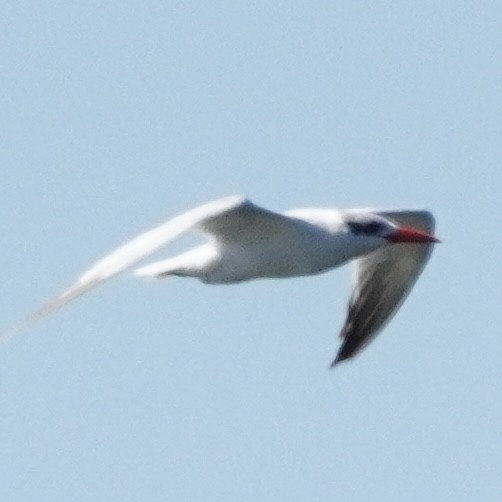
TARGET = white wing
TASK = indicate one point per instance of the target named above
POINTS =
(383, 280)
(230, 218)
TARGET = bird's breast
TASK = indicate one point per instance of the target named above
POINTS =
(277, 258)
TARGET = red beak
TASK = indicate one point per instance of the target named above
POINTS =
(407, 234)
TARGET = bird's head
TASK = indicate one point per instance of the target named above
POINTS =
(371, 225)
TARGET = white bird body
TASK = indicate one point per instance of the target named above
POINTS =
(306, 242)
(245, 242)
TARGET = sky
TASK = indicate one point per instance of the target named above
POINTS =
(119, 115)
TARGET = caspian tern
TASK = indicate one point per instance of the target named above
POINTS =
(245, 241)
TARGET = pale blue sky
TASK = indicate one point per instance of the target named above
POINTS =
(117, 115)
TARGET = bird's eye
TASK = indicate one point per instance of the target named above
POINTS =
(372, 227)
(365, 227)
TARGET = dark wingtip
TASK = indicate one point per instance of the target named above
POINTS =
(337, 360)
(348, 349)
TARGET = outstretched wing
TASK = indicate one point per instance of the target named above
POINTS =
(225, 219)
(383, 280)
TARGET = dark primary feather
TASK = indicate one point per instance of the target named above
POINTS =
(384, 279)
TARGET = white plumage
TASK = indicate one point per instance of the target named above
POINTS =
(245, 241)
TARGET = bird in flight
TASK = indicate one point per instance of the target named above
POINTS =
(245, 241)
